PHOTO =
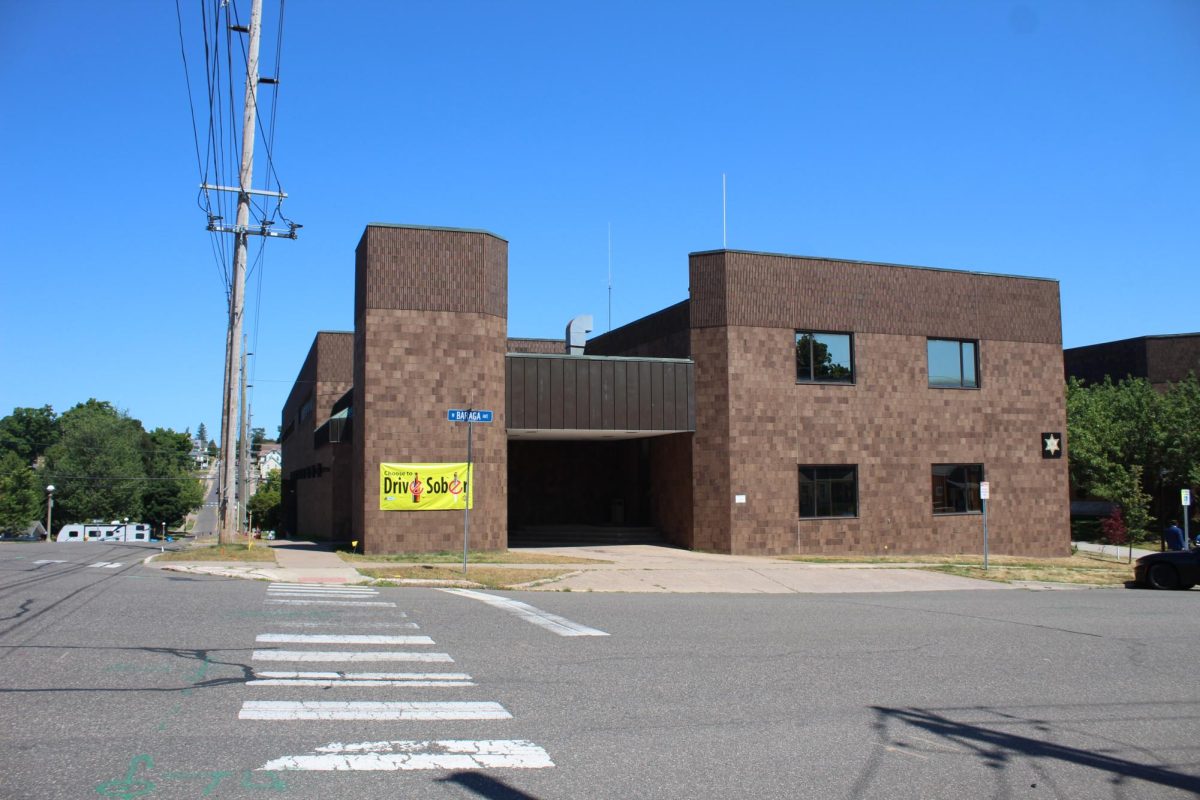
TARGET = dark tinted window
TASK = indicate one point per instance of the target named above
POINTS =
(956, 488)
(829, 491)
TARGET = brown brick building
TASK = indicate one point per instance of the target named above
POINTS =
(789, 405)
(1158, 359)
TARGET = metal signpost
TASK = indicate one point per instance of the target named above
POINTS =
(469, 416)
(1185, 498)
(984, 493)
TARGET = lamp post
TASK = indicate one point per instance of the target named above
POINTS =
(49, 512)
(125, 530)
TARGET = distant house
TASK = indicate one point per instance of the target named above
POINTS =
(269, 458)
(1158, 359)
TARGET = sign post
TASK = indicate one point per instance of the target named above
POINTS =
(1185, 498)
(469, 416)
(985, 491)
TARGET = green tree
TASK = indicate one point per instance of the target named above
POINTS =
(29, 432)
(202, 436)
(170, 492)
(96, 465)
(267, 503)
(20, 493)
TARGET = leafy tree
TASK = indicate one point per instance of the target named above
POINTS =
(213, 450)
(170, 490)
(20, 493)
(267, 503)
(96, 465)
(29, 432)
(1134, 445)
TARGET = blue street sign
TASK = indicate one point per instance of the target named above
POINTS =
(462, 415)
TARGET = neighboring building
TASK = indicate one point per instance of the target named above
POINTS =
(1158, 359)
(270, 458)
(789, 405)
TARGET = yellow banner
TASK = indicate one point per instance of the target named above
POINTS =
(425, 487)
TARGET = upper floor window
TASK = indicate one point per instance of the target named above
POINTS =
(824, 357)
(953, 363)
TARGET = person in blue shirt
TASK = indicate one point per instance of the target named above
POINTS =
(1174, 536)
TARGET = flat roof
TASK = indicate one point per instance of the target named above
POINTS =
(872, 263)
(434, 228)
(1138, 339)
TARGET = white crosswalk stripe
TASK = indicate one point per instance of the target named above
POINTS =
(310, 602)
(448, 754)
(106, 564)
(349, 655)
(51, 561)
(376, 755)
(371, 710)
(340, 638)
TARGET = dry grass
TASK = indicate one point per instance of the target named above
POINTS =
(474, 557)
(220, 552)
(1088, 569)
(485, 577)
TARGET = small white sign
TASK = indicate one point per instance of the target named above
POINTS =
(985, 490)
(739, 498)
(1185, 496)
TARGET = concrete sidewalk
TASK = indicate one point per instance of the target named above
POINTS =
(633, 568)
(295, 562)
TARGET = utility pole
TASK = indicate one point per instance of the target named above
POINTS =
(244, 446)
(229, 516)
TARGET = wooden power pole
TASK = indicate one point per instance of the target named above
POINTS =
(230, 464)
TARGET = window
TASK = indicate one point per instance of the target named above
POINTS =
(828, 492)
(824, 357)
(953, 364)
(956, 488)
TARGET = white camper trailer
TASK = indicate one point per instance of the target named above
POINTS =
(105, 532)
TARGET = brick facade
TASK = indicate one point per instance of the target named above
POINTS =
(311, 502)
(430, 322)
(755, 424)
(430, 333)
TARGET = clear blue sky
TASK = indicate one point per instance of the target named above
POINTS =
(1056, 139)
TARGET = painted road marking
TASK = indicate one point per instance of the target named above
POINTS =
(314, 655)
(318, 590)
(406, 625)
(454, 754)
(330, 683)
(298, 602)
(106, 564)
(51, 561)
(371, 676)
(370, 710)
(332, 638)
(544, 619)
(289, 587)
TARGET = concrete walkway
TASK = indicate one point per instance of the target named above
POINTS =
(636, 568)
(295, 562)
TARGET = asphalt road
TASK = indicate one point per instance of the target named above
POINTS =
(123, 681)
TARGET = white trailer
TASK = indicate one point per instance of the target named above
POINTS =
(105, 532)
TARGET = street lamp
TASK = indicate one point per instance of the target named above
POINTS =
(49, 512)
(125, 530)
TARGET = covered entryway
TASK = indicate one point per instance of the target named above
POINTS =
(599, 450)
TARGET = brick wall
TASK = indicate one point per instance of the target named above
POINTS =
(430, 334)
(323, 379)
(755, 424)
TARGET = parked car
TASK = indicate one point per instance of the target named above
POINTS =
(1174, 569)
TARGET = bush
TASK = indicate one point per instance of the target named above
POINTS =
(1113, 528)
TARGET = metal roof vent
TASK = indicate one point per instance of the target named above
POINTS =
(577, 331)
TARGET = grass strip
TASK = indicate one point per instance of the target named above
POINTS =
(473, 557)
(483, 576)
(220, 552)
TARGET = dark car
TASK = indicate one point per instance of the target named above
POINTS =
(1174, 569)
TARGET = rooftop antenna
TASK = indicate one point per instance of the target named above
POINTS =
(610, 276)
(724, 227)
